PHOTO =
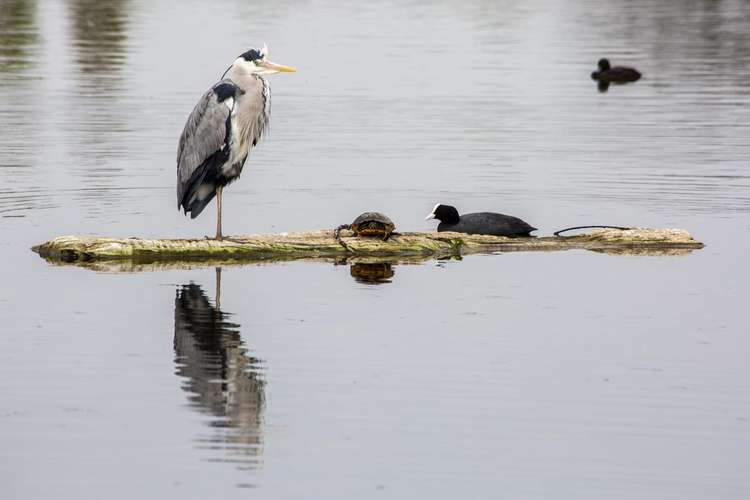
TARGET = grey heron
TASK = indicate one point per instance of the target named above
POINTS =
(226, 123)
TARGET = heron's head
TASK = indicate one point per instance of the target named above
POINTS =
(255, 61)
(444, 213)
(603, 64)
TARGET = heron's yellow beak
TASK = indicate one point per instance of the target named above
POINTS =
(276, 67)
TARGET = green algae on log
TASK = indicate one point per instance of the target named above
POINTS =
(322, 245)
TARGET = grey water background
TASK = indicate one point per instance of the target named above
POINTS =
(526, 375)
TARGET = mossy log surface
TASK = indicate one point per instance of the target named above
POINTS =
(322, 245)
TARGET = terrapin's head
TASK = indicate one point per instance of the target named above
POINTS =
(255, 61)
(444, 213)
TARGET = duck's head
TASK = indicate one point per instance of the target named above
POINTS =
(444, 213)
(603, 64)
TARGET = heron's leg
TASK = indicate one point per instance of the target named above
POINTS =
(218, 288)
(218, 213)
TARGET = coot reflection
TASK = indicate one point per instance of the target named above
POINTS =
(222, 380)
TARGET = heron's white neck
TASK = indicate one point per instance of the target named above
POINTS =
(239, 75)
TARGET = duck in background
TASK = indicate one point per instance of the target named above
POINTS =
(618, 74)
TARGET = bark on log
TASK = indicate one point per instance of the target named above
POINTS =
(322, 245)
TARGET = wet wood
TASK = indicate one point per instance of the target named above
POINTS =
(322, 245)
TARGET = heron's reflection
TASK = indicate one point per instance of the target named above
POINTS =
(221, 378)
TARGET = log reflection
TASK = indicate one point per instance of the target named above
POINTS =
(221, 378)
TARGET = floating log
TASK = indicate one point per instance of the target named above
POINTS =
(322, 245)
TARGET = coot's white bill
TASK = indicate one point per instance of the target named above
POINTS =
(431, 215)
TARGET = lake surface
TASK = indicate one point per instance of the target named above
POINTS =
(522, 375)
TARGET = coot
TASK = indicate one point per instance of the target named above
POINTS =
(479, 223)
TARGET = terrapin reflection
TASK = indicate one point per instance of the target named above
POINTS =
(372, 273)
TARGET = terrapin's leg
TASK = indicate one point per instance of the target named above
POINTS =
(218, 213)
(337, 235)
(337, 231)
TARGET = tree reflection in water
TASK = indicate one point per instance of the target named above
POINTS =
(221, 378)
(19, 35)
(100, 35)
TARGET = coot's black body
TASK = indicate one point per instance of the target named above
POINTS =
(616, 74)
(479, 223)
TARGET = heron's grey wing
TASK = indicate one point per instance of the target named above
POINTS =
(205, 134)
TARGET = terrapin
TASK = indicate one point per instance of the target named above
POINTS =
(369, 224)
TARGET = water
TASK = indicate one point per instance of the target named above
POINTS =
(571, 374)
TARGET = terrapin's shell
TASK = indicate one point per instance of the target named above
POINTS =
(373, 224)
(374, 217)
